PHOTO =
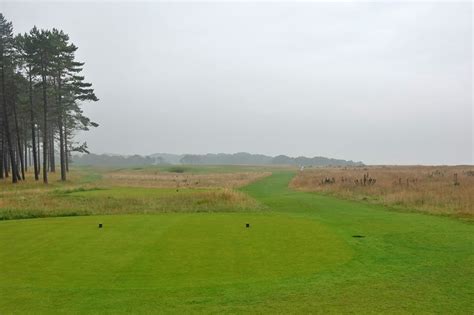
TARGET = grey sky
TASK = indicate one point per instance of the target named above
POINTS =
(379, 82)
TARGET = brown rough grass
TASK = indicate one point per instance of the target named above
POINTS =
(159, 179)
(430, 189)
(105, 191)
(123, 201)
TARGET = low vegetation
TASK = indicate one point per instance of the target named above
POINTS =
(122, 200)
(181, 177)
(130, 191)
(447, 190)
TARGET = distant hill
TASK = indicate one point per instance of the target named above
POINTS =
(241, 158)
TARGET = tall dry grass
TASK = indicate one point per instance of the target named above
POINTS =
(159, 179)
(105, 191)
(117, 201)
(431, 189)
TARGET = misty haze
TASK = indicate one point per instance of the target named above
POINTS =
(381, 83)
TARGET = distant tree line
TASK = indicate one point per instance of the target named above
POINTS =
(244, 158)
(241, 158)
(115, 160)
(41, 93)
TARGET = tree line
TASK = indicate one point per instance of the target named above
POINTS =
(240, 158)
(41, 95)
(244, 158)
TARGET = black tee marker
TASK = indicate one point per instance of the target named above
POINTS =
(247, 225)
(100, 225)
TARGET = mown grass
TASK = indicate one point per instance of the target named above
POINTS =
(297, 257)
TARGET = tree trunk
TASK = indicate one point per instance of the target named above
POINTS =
(45, 129)
(7, 129)
(61, 131)
(61, 151)
(66, 150)
(18, 140)
(38, 149)
(48, 160)
(2, 152)
(6, 165)
(32, 118)
(52, 160)
(25, 153)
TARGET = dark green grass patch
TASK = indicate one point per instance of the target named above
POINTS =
(176, 169)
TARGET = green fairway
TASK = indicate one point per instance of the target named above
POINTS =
(298, 256)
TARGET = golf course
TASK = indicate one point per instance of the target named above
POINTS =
(302, 252)
(236, 157)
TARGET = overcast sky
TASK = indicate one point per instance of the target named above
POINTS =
(378, 82)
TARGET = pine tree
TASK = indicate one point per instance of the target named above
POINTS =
(41, 96)
(6, 64)
(26, 50)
